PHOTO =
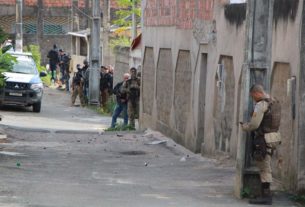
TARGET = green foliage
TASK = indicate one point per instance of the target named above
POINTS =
(246, 192)
(6, 65)
(121, 41)
(129, 10)
(298, 198)
(109, 107)
(35, 50)
(3, 36)
(120, 127)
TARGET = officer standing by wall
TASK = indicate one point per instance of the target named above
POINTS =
(132, 88)
(264, 123)
(77, 86)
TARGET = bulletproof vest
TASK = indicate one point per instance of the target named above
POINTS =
(78, 77)
(134, 90)
(272, 117)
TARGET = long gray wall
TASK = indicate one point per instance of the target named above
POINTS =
(195, 61)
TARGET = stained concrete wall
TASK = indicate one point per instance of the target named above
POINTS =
(179, 102)
(121, 63)
(286, 63)
(183, 95)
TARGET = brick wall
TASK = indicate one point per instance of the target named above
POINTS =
(177, 13)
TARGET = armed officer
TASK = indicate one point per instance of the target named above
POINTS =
(77, 86)
(132, 88)
(265, 123)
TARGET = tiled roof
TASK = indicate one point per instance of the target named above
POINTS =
(55, 3)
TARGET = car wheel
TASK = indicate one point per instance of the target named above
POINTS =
(37, 107)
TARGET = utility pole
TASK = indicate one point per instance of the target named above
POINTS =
(40, 21)
(134, 21)
(19, 33)
(259, 24)
(94, 73)
(106, 28)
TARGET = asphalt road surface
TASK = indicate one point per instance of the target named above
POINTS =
(61, 158)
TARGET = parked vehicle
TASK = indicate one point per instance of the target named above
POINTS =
(23, 85)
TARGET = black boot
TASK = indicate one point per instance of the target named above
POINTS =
(265, 198)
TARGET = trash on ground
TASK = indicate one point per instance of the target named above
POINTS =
(157, 142)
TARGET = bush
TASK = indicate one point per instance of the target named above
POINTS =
(35, 50)
(120, 127)
(6, 65)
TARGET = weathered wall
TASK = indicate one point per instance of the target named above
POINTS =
(186, 55)
(121, 63)
(186, 42)
(286, 64)
(300, 93)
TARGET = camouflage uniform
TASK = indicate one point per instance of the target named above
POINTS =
(77, 87)
(132, 88)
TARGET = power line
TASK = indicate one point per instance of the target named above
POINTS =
(90, 17)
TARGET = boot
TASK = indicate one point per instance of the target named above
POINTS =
(265, 198)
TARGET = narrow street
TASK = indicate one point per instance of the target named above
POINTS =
(62, 158)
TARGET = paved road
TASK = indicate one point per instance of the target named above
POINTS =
(56, 114)
(57, 168)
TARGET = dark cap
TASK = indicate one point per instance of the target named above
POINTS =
(60, 50)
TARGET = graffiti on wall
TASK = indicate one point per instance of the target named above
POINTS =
(177, 13)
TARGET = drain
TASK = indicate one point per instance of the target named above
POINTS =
(133, 153)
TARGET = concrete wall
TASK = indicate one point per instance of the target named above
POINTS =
(199, 59)
(183, 64)
(121, 63)
(286, 60)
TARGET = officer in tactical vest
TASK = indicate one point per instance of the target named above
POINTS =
(132, 88)
(77, 86)
(264, 123)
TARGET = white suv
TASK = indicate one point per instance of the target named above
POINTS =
(23, 84)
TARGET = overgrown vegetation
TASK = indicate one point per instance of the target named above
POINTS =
(35, 50)
(121, 127)
(3, 35)
(6, 65)
(107, 111)
(6, 60)
(246, 192)
(121, 41)
(298, 198)
(121, 36)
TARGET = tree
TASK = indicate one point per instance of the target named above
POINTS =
(6, 60)
(3, 36)
(6, 65)
(123, 21)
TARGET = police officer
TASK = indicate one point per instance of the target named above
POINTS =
(77, 86)
(264, 123)
(132, 88)
(85, 74)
